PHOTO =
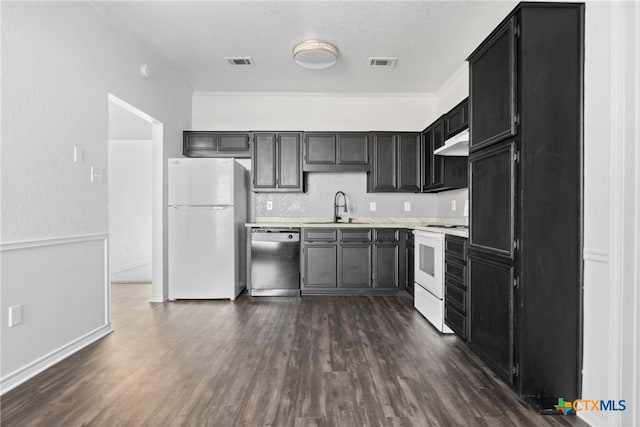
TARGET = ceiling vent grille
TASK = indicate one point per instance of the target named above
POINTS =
(239, 61)
(381, 62)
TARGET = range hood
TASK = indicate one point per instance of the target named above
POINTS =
(457, 145)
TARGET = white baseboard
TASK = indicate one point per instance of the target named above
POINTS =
(130, 265)
(27, 372)
(157, 298)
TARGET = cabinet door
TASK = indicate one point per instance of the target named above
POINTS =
(197, 144)
(437, 162)
(354, 265)
(409, 162)
(456, 119)
(492, 200)
(385, 273)
(492, 89)
(264, 161)
(353, 149)
(233, 142)
(289, 161)
(409, 262)
(490, 312)
(385, 163)
(426, 158)
(320, 266)
(320, 149)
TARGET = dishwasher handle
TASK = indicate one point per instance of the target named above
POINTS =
(267, 235)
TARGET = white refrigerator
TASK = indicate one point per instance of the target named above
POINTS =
(206, 235)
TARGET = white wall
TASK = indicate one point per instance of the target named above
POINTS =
(59, 62)
(611, 367)
(129, 203)
(312, 111)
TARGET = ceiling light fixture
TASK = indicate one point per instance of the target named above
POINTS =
(315, 54)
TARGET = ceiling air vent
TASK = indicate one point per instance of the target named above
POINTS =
(239, 60)
(381, 62)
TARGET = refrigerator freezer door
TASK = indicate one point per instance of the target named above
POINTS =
(200, 182)
(202, 245)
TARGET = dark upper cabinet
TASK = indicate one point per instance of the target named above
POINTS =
(216, 144)
(457, 119)
(336, 152)
(440, 173)
(277, 162)
(492, 200)
(395, 162)
(384, 173)
(353, 149)
(492, 87)
(526, 208)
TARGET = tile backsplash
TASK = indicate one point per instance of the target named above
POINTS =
(321, 188)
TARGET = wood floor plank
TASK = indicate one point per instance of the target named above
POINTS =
(311, 361)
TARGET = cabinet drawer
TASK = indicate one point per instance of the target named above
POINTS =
(456, 321)
(455, 295)
(455, 270)
(387, 235)
(455, 245)
(355, 235)
(320, 235)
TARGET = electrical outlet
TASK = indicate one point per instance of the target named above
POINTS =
(372, 206)
(269, 205)
(453, 205)
(97, 175)
(407, 206)
(15, 315)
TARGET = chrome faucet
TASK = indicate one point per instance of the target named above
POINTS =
(336, 206)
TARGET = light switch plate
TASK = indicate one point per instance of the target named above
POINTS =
(407, 206)
(372, 206)
(15, 315)
(78, 154)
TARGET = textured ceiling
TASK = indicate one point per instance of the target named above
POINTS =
(431, 40)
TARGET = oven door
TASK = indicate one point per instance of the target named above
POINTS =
(429, 262)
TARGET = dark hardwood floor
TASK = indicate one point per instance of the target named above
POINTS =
(311, 361)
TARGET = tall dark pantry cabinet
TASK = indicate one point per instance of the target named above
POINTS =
(525, 176)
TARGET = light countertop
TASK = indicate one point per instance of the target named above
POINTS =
(424, 224)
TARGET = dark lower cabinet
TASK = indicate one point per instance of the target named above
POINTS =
(385, 268)
(409, 274)
(350, 261)
(319, 265)
(526, 214)
(455, 284)
(216, 144)
(491, 314)
(354, 266)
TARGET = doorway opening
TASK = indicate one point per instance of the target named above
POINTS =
(135, 197)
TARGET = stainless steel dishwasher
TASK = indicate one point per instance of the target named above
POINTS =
(275, 262)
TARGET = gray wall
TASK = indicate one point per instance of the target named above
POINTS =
(444, 203)
(321, 188)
